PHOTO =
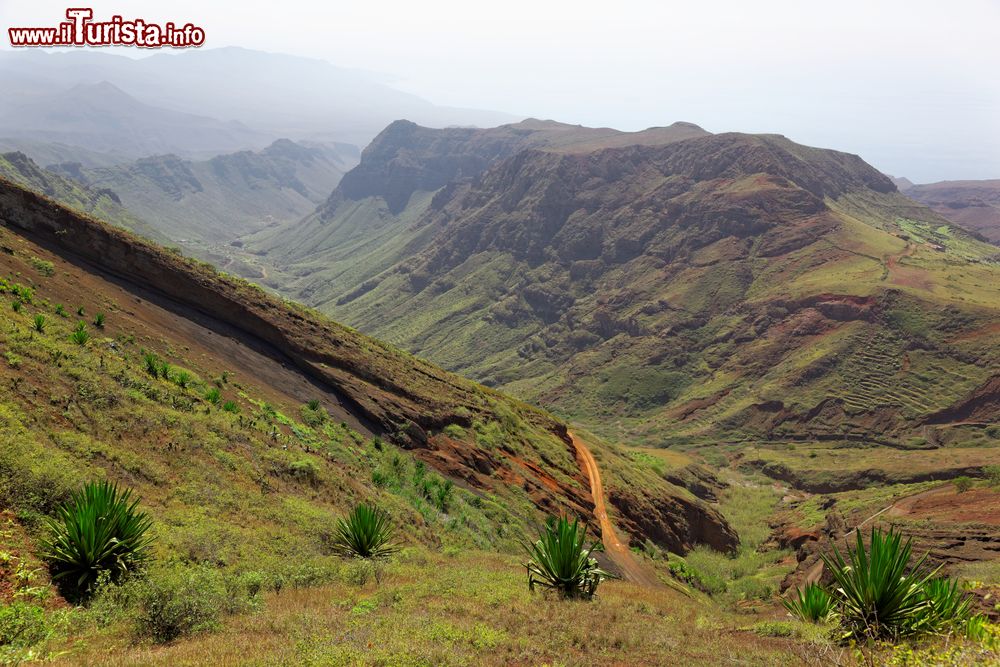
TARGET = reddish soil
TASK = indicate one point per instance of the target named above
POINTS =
(618, 552)
(945, 504)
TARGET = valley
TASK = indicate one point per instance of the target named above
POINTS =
(740, 349)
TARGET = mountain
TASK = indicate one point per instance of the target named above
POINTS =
(278, 95)
(370, 214)
(901, 182)
(681, 289)
(98, 202)
(974, 205)
(102, 117)
(227, 196)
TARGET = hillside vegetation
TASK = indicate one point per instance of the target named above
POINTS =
(247, 425)
(693, 288)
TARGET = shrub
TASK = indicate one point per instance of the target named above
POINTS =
(100, 530)
(61, 311)
(811, 603)
(304, 470)
(213, 396)
(16, 306)
(182, 378)
(80, 335)
(706, 582)
(164, 370)
(442, 494)
(365, 533)
(560, 561)
(880, 594)
(45, 268)
(314, 414)
(79, 311)
(230, 406)
(993, 475)
(39, 323)
(21, 625)
(99, 320)
(186, 601)
(963, 484)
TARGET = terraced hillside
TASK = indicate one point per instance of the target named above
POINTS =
(671, 287)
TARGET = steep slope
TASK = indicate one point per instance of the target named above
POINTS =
(218, 200)
(719, 286)
(102, 413)
(100, 202)
(974, 205)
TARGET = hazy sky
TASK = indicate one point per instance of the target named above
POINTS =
(913, 86)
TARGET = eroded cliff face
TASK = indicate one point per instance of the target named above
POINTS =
(676, 523)
(405, 157)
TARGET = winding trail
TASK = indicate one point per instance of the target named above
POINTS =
(619, 553)
(901, 507)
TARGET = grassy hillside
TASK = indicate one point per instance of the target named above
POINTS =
(729, 286)
(248, 425)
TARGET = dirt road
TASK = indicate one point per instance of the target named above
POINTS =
(619, 553)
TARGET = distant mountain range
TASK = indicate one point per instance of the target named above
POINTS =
(199, 103)
(104, 119)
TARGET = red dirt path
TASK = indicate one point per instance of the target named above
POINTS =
(618, 552)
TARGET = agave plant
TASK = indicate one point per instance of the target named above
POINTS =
(365, 533)
(812, 603)
(152, 363)
(99, 530)
(879, 593)
(80, 335)
(560, 561)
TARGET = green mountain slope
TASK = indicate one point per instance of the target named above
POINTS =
(218, 200)
(732, 286)
(97, 201)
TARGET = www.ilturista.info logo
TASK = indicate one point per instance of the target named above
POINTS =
(81, 30)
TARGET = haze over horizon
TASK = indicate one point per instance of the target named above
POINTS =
(909, 86)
